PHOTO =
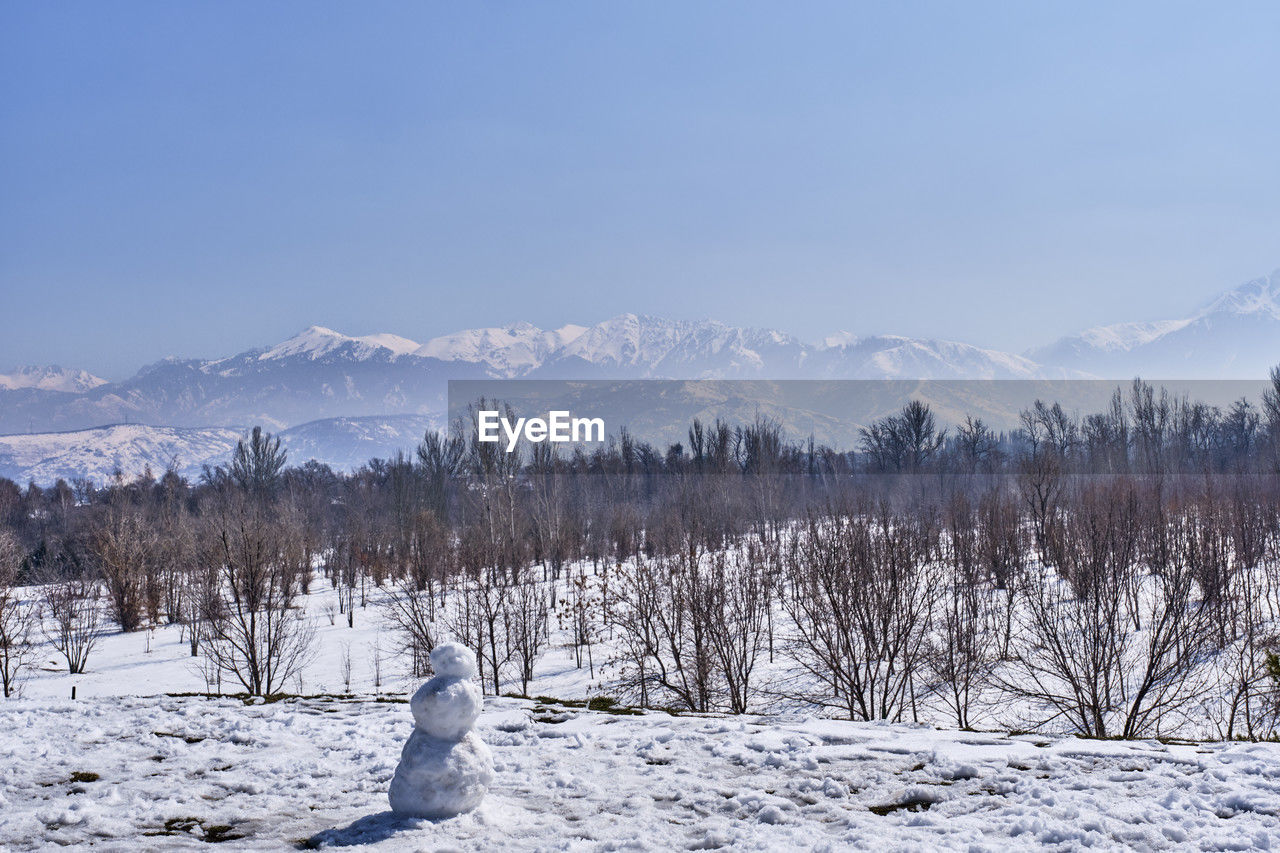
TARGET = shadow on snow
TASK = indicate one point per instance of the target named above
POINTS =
(369, 829)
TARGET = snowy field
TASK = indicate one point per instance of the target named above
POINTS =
(162, 773)
(125, 767)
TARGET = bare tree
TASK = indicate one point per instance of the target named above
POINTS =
(1040, 479)
(253, 634)
(906, 441)
(964, 648)
(172, 561)
(685, 632)
(527, 617)
(580, 610)
(640, 596)
(17, 618)
(739, 600)
(1271, 418)
(1247, 702)
(201, 601)
(976, 445)
(477, 618)
(410, 612)
(344, 668)
(125, 545)
(1002, 551)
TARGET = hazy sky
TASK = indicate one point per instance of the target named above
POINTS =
(200, 178)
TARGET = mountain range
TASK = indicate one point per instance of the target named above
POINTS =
(327, 381)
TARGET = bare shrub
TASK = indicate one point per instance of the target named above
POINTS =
(74, 619)
(861, 604)
(1102, 646)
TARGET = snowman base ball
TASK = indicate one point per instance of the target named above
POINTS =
(440, 778)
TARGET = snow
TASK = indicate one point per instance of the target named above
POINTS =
(97, 453)
(629, 342)
(661, 347)
(507, 351)
(658, 347)
(446, 707)
(628, 339)
(839, 339)
(317, 770)
(439, 779)
(317, 341)
(896, 357)
(53, 378)
(1259, 297)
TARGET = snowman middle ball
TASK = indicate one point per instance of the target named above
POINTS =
(446, 707)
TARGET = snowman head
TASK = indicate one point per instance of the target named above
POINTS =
(453, 660)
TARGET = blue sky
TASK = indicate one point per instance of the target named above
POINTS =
(199, 178)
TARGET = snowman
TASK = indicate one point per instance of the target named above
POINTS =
(444, 769)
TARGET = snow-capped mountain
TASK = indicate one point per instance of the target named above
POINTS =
(505, 351)
(348, 443)
(1237, 335)
(52, 378)
(317, 342)
(641, 346)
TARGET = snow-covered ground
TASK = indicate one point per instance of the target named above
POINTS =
(168, 772)
(127, 767)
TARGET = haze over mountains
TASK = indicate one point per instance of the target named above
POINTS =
(322, 373)
(393, 386)
(1235, 336)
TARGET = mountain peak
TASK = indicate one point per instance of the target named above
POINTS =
(317, 341)
(1261, 296)
(1233, 336)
